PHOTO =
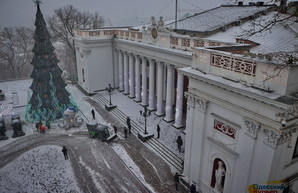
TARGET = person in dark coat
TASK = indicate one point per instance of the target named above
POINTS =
(125, 132)
(115, 129)
(64, 151)
(158, 131)
(177, 180)
(93, 114)
(37, 126)
(179, 143)
(192, 188)
(128, 125)
(48, 124)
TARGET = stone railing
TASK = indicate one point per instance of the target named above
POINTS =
(235, 64)
(177, 42)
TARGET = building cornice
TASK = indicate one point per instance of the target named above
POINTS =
(142, 49)
(236, 108)
(196, 74)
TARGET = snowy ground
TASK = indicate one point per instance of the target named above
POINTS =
(27, 171)
(42, 169)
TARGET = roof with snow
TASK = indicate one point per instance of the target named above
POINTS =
(282, 37)
(208, 22)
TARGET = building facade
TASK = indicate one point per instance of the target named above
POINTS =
(240, 130)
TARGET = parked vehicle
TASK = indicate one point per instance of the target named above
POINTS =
(98, 131)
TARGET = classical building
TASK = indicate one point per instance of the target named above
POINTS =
(240, 125)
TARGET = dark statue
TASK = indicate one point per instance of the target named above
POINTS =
(2, 130)
(17, 126)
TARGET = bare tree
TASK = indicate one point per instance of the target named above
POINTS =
(15, 50)
(284, 14)
(63, 24)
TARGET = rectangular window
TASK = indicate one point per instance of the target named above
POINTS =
(139, 35)
(199, 43)
(133, 34)
(185, 42)
(174, 41)
(295, 155)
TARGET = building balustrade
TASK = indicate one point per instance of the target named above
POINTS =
(235, 64)
(182, 43)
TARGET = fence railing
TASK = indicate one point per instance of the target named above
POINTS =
(235, 64)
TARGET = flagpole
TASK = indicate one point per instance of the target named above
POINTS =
(176, 15)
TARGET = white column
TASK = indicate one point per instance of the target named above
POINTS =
(131, 76)
(144, 82)
(169, 99)
(160, 106)
(138, 79)
(121, 78)
(179, 101)
(152, 105)
(126, 74)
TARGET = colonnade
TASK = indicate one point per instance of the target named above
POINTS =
(152, 86)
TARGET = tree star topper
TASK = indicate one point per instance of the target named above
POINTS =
(37, 2)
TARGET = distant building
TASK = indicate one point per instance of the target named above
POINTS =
(213, 83)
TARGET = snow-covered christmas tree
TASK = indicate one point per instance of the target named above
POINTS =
(49, 97)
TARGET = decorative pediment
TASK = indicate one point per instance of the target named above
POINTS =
(275, 139)
(252, 128)
(196, 102)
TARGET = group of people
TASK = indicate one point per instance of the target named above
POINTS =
(42, 128)
(127, 130)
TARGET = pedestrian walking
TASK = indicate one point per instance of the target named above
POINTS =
(115, 129)
(64, 151)
(93, 114)
(125, 132)
(179, 143)
(177, 180)
(128, 125)
(158, 131)
(37, 126)
(192, 188)
(48, 124)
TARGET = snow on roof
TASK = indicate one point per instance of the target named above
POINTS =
(217, 17)
(281, 37)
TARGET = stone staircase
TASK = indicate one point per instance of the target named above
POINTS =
(170, 157)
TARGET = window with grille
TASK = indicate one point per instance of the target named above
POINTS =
(199, 43)
(185, 42)
(174, 41)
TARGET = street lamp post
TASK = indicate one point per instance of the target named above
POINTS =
(110, 106)
(110, 89)
(146, 113)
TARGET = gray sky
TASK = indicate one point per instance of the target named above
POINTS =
(22, 12)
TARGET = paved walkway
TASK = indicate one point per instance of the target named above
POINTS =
(165, 146)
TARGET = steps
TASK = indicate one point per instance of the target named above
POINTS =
(169, 156)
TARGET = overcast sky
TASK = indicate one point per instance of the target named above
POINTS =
(22, 12)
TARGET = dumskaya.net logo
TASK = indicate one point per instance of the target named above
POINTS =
(269, 187)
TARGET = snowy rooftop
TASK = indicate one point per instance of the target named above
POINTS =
(281, 37)
(218, 17)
